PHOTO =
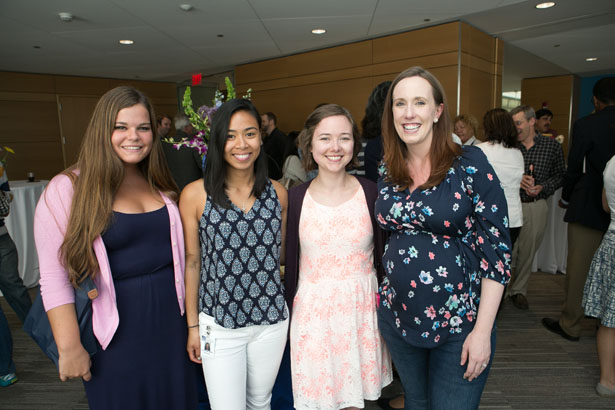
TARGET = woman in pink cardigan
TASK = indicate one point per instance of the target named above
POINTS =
(113, 217)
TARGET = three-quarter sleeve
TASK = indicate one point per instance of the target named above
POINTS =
(50, 221)
(492, 236)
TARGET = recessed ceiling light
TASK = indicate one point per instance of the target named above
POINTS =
(186, 7)
(545, 5)
(591, 59)
(66, 17)
(127, 42)
(319, 31)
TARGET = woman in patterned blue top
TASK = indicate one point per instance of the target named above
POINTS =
(234, 221)
(447, 258)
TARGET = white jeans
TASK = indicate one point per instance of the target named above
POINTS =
(241, 365)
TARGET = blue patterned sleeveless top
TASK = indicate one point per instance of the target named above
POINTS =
(240, 263)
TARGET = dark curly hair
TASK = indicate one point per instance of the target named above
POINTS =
(370, 125)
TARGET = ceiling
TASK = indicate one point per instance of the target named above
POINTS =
(171, 44)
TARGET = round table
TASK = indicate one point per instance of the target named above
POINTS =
(20, 224)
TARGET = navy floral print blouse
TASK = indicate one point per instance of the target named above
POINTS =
(444, 240)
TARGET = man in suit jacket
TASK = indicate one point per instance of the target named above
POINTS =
(593, 144)
(274, 142)
(163, 125)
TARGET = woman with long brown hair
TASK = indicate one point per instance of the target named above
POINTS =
(113, 217)
(448, 254)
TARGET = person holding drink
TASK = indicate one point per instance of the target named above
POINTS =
(544, 174)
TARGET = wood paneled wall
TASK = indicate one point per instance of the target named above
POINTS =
(467, 62)
(558, 93)
(480, 80)
(43, 117)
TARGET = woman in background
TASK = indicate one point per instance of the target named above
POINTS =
(293, 173)
(447, 259)
(502, 151)
(372, 131)
(465, 128)
(599, 292)
(234, 221)
(113, 217)
(334, 246)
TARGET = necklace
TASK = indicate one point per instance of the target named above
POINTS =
(238, 193)
(244, 203)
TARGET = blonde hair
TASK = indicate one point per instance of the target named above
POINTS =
(97, 176)
(469, 121)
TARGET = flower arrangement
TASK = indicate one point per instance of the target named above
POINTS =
(201, 118)
(6, 151)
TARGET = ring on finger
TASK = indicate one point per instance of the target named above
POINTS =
(483, 365)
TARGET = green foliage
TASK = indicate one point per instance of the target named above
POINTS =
(196, 120)
(230, 90)
(201, 119)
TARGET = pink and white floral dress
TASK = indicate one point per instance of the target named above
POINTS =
(338, 357)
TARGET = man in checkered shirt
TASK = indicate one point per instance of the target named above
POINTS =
(544, 174)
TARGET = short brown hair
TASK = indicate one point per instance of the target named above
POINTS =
(159, 118)
(271, 116)
(443, 150)
(304, 140)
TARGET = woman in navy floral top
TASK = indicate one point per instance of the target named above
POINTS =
(447, 258)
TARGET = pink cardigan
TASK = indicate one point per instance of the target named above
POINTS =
(50, 221)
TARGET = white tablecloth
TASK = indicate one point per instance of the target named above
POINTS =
(552, 254)
(20, 224)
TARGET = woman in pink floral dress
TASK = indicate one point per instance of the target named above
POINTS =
(334, 249)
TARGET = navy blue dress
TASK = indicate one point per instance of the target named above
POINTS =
(146, 365)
